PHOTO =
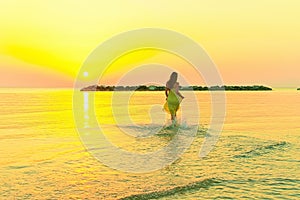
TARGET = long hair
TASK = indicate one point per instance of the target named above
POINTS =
(172, 80)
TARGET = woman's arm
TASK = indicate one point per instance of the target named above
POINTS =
(166, 92)
(179, 94)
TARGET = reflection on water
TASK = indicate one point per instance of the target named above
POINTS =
(86, 109)
(41, 155)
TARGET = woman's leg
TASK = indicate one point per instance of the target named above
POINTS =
(175, 118)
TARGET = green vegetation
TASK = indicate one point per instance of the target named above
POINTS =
(183, 88)
(298, 89)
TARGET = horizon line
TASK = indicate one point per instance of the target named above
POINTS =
(35, 87)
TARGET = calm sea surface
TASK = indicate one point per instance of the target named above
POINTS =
(257, 155)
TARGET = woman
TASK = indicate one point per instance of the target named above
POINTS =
(173, 96)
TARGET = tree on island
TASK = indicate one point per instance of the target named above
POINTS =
(183, 88)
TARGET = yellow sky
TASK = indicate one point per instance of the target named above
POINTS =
(44, 43)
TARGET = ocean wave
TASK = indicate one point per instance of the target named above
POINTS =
(206, 183)
(258, 151)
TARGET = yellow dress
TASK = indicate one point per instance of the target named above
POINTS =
(172, 104)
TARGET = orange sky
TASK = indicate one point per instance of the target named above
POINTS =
(44, 43)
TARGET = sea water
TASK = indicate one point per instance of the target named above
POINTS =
(43, 156)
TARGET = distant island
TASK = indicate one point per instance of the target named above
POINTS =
(183, 88)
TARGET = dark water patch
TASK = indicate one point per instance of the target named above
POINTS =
(148, 130)
(45, 162)
(30, 172)
(272, 187)
(202, 132)
(18, 167)
(168, 131)
(176, 190)
(279, 185)
(261, 150)
(27, 196)
(282, 181)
